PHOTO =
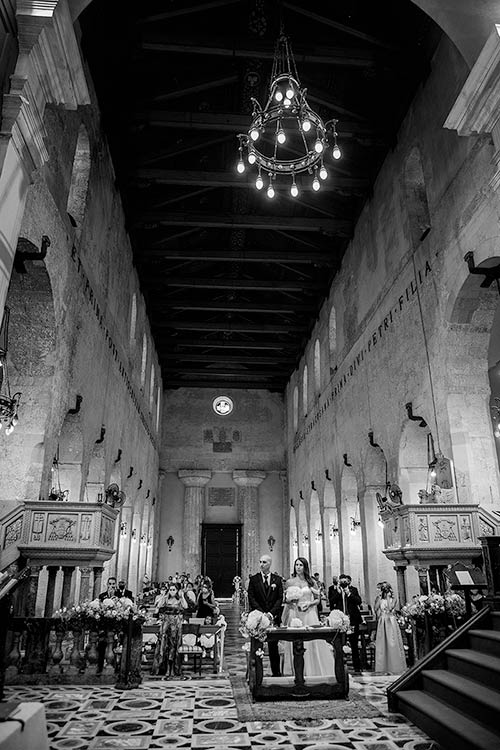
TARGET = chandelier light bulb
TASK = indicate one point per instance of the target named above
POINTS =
(294, 191)
(289, 92)
(318, 146)
(433, 473)
(252, 158)
(306, 125)
(287, 102)
(336, 153)
(259, 183)
(281, 136)
(316, 183)
(15, 420)
(380, 522)
(1, 425)
(240, 167)
(323, 173)
(254, 134)
(270, 192)
(496, 433)
(8, 430)
(278, 96)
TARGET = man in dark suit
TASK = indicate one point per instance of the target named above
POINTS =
(346, 597)
(265, 593)
(122, 590)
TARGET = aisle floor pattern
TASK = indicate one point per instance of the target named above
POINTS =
(201, 713)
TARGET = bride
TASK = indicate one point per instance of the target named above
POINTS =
(301, 599)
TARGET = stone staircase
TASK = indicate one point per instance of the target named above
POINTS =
(453, 694)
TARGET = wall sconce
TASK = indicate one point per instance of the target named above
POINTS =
(295, 543)
(318, 535)
(271, 542)
(346, 460)
(134, 535)
(313, 486)
(354, 524)
(170, 542)
(301, 495)
(327, 475)
(123, 528)
(143, 538)
(149, 543)
(305, 538)
(334, 531)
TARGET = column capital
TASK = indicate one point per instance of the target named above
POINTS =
(248, 478)
(194, 477)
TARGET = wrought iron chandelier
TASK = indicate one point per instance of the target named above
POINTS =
(286, 136)
(8, 404)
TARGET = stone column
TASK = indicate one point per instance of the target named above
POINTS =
(32, 590)
(66, 586)
(85, 584)
(401, 582)
(97, 582)
(194, 481)
(248, 494)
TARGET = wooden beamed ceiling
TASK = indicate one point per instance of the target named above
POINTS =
(233, 281)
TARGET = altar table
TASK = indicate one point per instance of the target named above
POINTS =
(299, 687)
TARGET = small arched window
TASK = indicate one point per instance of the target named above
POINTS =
(78, 189)
(133, 320)
(317, 366)
(295, 408)
(151, 387)
(332, 332)
(305, 386)
(144, 359)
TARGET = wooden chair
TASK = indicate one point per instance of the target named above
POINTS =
(190, 646)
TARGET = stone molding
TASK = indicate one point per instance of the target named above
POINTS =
(248, 478)
(194, 477)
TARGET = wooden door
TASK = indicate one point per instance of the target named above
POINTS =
(221, 556)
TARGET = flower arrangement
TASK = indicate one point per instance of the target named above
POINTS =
(454, 605)
(339, 620)
(255, 624)
(109, 613)
(433, 604)
(296, 622)
(293, 594)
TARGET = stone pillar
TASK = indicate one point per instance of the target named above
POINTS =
(85, 584)
(51, 587)
(401, 583)
(32, 590)
(248, 494)
(375, 565)
(194, 481)
(97, 582)
(66, 587)
(284, 563)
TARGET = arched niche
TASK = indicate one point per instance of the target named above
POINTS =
(294, 536)
(70, 456)
(316, 540)
(350, 534)
(80, 173)
(416, 197)
(330, 532)
(413, 459)
(31, 362)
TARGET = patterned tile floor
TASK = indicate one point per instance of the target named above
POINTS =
(201, 713)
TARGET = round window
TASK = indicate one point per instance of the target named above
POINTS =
(222, 406)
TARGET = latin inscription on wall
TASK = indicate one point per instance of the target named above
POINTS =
(221, 496)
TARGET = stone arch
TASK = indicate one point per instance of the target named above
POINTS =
(70, 456)
(416, 197)
(133, 320)
(351, 540)
(31, 361)
(330, 532)
(78, 189)
(144, 358)
(294, 536)
(473, 355)
(332, 332)
(316, 535)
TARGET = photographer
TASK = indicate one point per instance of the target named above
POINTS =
(346, 597)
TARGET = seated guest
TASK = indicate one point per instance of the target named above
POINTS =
(206, 604)
(190, 597)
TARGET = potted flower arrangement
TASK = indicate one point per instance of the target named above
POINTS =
(430, 618)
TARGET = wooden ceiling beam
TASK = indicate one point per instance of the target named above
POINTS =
(267, 384)
(174, 344)
(231, 122)
(239, 306)
(246, 256)
(184, 177)
(153, 219)
(225, 358)
(253, 49)
(235, 373)
(167, 15)
(232, 327)
(212, 84)
(217, 283)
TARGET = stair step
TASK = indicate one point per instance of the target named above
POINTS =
(469, 696)
(485, 640)
(449, 727)
(474, 664)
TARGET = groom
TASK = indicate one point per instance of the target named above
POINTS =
(265, 593)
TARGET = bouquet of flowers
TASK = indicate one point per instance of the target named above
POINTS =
(255, 624)
(339, 620)
(106, 614)
(424, 605)
(454, 605)
(293, 594)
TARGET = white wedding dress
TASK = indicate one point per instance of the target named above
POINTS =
(318, 656)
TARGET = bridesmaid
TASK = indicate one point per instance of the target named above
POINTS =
(389, 652)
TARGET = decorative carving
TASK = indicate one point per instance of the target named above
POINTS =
(423, 529)
(37, 527)
(465, 528)
(485, 528)
(13, 532)
(62, 528)
(85, 526)
(445, 530)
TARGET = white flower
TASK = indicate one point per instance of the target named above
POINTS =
(338, 620)
(108, 602)
(295, 622)
(246, 646)
(293, 594)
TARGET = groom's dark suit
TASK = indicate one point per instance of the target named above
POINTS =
(270, 601)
